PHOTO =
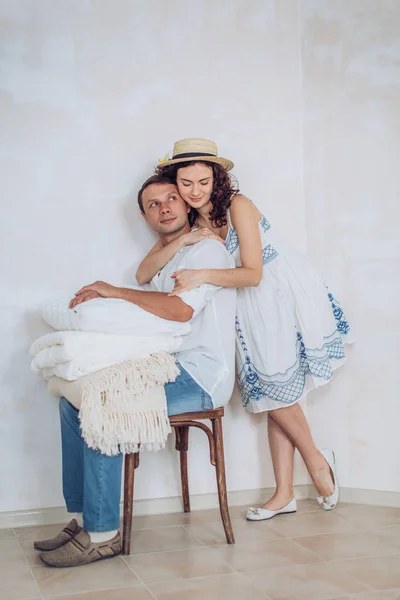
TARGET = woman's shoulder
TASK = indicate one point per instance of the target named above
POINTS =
(240, 199)
(242, 206)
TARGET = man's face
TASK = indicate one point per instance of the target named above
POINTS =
(164, 209)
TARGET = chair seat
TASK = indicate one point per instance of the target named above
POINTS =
(198, 416)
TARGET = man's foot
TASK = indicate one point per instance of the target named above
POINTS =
(82, 551)
(65, 536)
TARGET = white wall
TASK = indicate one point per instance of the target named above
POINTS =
(92, 94)
(351, 83)
(302, 95)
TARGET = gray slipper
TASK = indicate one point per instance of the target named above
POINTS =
(82, 551)
(65, 536)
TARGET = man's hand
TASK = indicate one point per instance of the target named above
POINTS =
(84, 297)
(98, 289)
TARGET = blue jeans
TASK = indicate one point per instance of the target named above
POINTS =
(91, 480)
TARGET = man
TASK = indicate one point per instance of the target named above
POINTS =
(92, 481)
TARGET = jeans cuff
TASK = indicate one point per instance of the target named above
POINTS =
(74, 507)
(107, 526)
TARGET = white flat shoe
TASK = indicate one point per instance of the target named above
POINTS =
(262, 514)
(329, 502)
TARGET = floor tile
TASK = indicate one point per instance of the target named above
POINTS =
(311, 523)
(213, 534)
(391, 534)
(30, 554)
(317, 581)
(223, 587)
(214, 515)
(11, 554)
(18, 584)
(368, 596)
(310, 505)
(236, 512)
(184, 564)
(41, 532)
(185, 556)
(266, 554)
(131, 593)
(100, 575)
(369, 517)
(181, 518)
(155, 521)
(382, 572)
(163, 539)
(357, 544)
(6, 534)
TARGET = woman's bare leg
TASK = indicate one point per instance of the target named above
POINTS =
(293, 423)
(282, 453)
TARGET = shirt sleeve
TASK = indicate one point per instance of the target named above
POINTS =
(208, 254)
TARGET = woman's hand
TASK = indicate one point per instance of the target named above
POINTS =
(197, 235)
(187, 279)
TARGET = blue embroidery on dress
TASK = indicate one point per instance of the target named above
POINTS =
(232, 241)
(288, 387)
(341, 321)
(265, 224)
(268, 254)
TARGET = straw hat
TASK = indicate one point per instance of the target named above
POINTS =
(195, 149)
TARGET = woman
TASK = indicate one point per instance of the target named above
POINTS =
(290, 330)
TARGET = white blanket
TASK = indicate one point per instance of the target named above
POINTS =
(109, 315)
(74, 354)
(126, 349)
(98, 334)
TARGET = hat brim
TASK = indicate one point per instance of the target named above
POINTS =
(224, 162)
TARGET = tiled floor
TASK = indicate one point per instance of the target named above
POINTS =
(352, 552)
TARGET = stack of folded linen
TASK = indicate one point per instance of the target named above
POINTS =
(111, 359)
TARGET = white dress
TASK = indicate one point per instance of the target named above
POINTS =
(290, 329)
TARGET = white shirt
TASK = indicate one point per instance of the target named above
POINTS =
(208, 351)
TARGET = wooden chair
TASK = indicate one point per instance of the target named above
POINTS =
(181, 424)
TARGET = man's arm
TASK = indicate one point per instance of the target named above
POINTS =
(157, 303)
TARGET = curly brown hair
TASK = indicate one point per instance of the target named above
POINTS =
(224, 188)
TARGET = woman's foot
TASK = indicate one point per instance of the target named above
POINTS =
(279, 500)
(322, 477)
(263, 514)
(328, 502)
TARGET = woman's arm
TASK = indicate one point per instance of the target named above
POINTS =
(245, 217)
(159, 255)
(156, 259)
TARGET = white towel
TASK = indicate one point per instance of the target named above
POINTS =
(74, 354)
(109, 315)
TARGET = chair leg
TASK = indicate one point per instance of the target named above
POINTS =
(131, 463)
(221, 480)
(183, 447)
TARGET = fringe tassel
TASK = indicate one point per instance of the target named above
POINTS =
(109, 419)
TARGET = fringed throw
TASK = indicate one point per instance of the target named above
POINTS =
(124, 406)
